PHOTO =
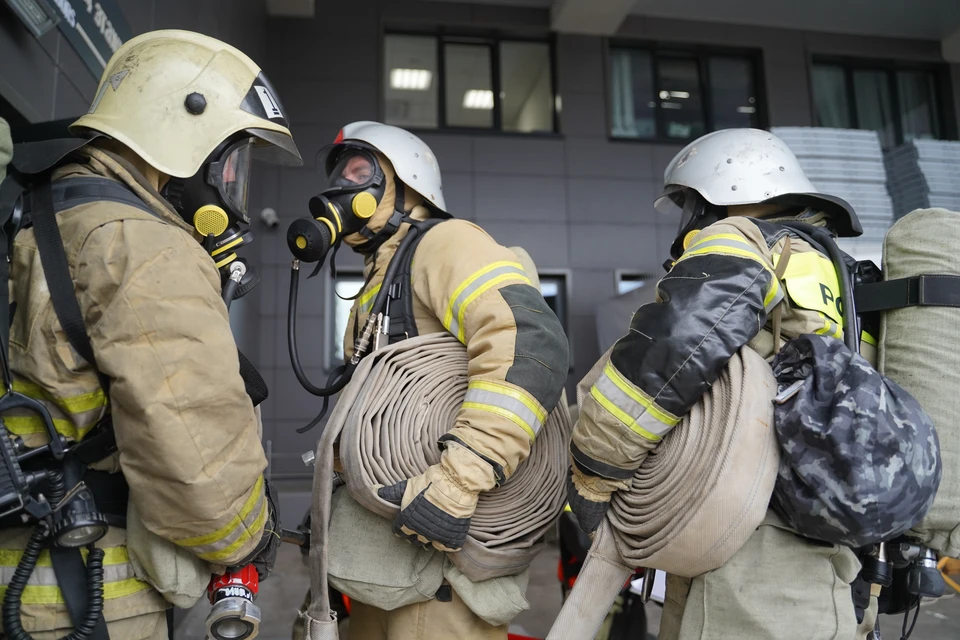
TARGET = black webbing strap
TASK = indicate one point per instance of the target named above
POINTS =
(926, 290)
(56, 271)
(67, 563)
(403, 324)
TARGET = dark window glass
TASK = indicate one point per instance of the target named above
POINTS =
(733, 97)
(899, 104)
(632, 100)
(679, 98)
(831, 103)
(410, 81)
(918, 100)
(433, 81)
(526, 87)
(660, 95)
(874, 104)
(469, 85)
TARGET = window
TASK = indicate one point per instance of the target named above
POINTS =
(553, 288)
(348, 284)
(466, 83)
(674, 95)
(900, 104)
(628, 281)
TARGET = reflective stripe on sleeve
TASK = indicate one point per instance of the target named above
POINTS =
(508, 402)
(119, 579)
(631, 406)
(476, 285)
(224, 542)
(366, 301)
(73, 416)
(733, 245)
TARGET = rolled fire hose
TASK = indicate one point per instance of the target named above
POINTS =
(693, 502)
(401, 399)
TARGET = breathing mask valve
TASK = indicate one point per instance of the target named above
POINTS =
(355, 186)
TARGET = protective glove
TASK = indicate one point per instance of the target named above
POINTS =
(436, 506)
(589, 497)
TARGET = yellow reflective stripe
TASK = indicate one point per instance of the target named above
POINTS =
(509, 415)
(111, 555)
(27, 425)
(869, 339)
(255, 495)
(829, 327)
(622, 415)
(75, 404)
(567, 508)
(511, 392)
(476, 285)
(245, 537)
(367, 299)
(48, 594)
(734, 245)
(624, 385)
(508, 402)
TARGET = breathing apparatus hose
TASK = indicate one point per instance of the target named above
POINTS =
(378, 306)
(12, 624)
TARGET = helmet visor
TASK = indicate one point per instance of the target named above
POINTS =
(232, 174)
(355, 169)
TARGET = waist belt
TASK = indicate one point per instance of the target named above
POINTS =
(401, 399)
(695, 499)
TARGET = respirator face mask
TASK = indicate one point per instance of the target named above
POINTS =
(214, 200)
(355, 186)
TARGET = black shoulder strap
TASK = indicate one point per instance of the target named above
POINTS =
(56, 271)
(403, 325)
(925, 290)
(67, 563)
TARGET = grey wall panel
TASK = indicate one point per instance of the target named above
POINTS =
(516, 155)
(598, 246)
(623, 200)
(527, 198)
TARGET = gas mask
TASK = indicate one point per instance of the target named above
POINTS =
(214, 200)
(355, 187)
(696, 214)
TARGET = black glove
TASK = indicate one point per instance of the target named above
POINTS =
(264, 557)
(587, 499)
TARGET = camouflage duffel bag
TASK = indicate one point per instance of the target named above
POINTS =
(860, 459)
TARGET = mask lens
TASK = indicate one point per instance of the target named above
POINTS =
(235, 175)
(354, 169)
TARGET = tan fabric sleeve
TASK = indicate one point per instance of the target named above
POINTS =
(518, 353)
(186, 430)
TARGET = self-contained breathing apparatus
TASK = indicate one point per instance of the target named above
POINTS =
(355, 187)
(905, 570)
(50, 487)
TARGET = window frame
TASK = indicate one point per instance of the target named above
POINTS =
(492, 40)
(567, 276)
(618, 276)
(701, 54)
(942, 100)
(330, 313)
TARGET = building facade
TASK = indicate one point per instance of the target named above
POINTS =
(552, 125)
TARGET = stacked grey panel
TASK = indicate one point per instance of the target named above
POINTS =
(923, 174)
(847, 163)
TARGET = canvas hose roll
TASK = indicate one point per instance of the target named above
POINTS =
(695, 499)
(401, 399)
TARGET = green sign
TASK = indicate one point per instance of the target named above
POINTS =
(95, 29)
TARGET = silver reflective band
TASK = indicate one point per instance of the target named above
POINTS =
(507, 403)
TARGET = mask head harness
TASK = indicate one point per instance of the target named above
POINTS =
(214, 200)
(355, 187)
